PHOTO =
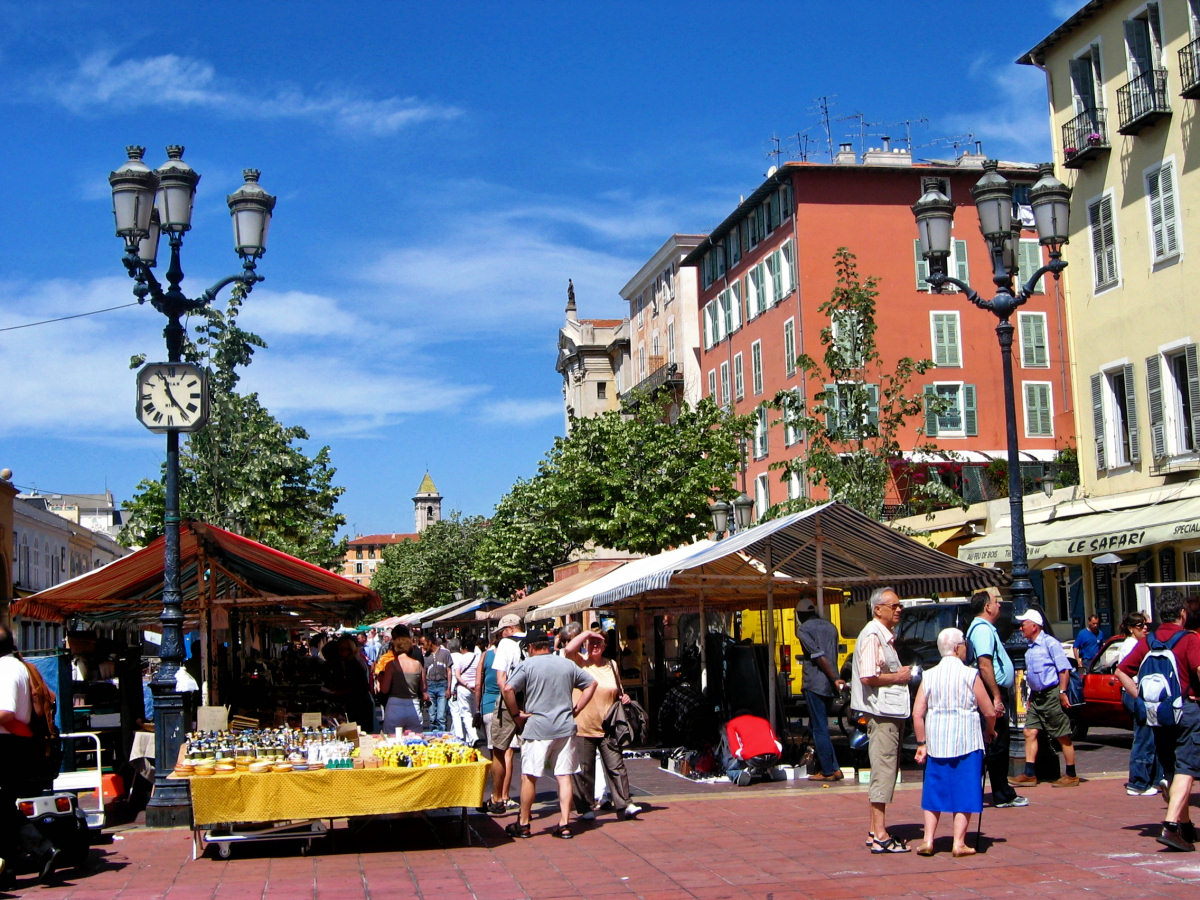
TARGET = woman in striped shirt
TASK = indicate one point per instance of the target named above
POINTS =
(949, 740)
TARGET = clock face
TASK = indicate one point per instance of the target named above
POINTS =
(172, 396)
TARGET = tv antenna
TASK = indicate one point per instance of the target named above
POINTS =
(823, 109)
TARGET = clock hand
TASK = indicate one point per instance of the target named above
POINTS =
(170, 396)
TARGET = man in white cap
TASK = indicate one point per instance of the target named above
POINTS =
(1046, 672)
(820, 684)
(504, 729)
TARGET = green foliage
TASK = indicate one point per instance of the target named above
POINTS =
(245, 470)
(859, 406)
(1066, 467)
(624, 480)
(427, 572)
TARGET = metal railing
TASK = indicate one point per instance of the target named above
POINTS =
(1143, 101)
(1085, 136)
(1189, 69)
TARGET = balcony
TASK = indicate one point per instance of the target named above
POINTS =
(664, 375)
(1143, 101)
(1189, 70)
(1085, 138)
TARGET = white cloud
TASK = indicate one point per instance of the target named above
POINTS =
(521, 412)
(1014, 121)
(101, 80)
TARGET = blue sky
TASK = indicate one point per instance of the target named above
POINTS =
(441, 172)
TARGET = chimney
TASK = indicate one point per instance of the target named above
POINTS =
(845, 156)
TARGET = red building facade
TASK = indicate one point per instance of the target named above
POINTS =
(766, 269)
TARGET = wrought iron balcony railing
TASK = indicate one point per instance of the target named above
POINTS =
(1085, 137)
(1143, 101)
(1189, 70)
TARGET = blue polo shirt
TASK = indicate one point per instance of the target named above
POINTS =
(1043, 661)
(1088, 645)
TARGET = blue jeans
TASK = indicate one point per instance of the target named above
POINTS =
(818, 724)
(1145, 771)
(437, 711)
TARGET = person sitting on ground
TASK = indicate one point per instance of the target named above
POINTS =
(949, 740)
(754, 747)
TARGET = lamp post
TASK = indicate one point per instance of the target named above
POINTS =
(742, 508)
(993, 195)
(172, 396)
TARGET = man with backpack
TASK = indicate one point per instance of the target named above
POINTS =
(986, 651)
(1166, 664)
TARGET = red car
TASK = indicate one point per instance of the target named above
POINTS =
(1101, 707)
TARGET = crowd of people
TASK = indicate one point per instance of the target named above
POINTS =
(962, 707)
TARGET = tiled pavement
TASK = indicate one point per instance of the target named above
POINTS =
(695, 840)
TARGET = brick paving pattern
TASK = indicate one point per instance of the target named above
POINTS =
(765, 841)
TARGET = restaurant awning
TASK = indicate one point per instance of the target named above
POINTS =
(216, 566)
(1115, 531)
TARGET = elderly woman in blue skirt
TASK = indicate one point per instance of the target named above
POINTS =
(946, 721)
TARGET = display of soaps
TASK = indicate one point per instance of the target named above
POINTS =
(416, 751)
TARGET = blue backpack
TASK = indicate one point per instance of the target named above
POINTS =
(1159, 689)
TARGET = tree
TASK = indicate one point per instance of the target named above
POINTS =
(859, 407)
(626, 480)
(432, 570)
(244, 470)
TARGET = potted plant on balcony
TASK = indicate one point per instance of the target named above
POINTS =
(1094, 139)
(1070, 152)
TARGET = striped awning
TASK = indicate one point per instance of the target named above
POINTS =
(832, 543)
(244, 573)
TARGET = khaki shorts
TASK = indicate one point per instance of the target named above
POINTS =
(884, 753)
(503, 733)
(1045, 713)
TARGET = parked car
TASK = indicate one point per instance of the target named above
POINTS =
(920, 624)
(1101, 707)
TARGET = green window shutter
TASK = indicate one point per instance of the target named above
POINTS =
(1033, 340)
(872, 409)
(1037, 410)
(735, 293)
(833, 417)
(1158, 434)
(960, 262)
(1135, 444)
(1030, 261)
(931, 419)
(922, 268)
(970, 420)
(945, 340)
(1098, 419)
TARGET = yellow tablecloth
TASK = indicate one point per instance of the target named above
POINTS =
(334, 793)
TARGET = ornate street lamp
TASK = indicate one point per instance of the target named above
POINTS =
(934, 213)
(172, 396)
(742, 509)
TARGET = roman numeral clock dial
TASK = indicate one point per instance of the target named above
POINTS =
(172, 397)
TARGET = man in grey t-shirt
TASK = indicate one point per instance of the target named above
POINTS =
(547, 726)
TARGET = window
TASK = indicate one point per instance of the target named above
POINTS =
(794, 486)
(956, 266)
(781, 271)
(671, 341)
(1114, 418)
(713, 320)
(762, 423)
(1085, 79)
(358, 568)
(1143, 46)
(842, 400)
(762, 495)
(601, 390)
(712, 384)
(726, 396)
(1104, 242)
(739, 378)
(791, 410)
(729, 303)
(959, 418)
(358, 552)
(1029, 261)
(1032, 327)
(756, 372)
(757, 298)
(785, 201)
(655, 346)
(1173, 391)
(789, 347)
(733, 248)
(847, 328)
(1164, 226)
(946, 343)
(1039, 414)
(641, 362)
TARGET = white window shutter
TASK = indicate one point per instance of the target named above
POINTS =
(960, 262)
(1158, 434)
(1098, 420)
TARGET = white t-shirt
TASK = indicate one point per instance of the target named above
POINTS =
(16, 693)
(508, 655)
(466, 664)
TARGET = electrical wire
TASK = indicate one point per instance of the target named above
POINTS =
(65, 318)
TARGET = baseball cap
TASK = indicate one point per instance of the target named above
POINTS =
(1032, 616)
(536, 637)
(512, 620)
(805, 606)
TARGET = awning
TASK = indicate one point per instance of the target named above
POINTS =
(465, 613)
(243, 574)
(556, 589)
(1117, 531)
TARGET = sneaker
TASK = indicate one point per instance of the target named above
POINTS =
(1173, 839)
(1023, 779)
(1148, 792)
(511, 804)
(1013, 803)
(1066, 781)
(1164, 788)
(588, 816)
(743, 778)
(49, 864)
(631, 811)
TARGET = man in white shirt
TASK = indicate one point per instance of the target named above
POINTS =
(503, 734)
